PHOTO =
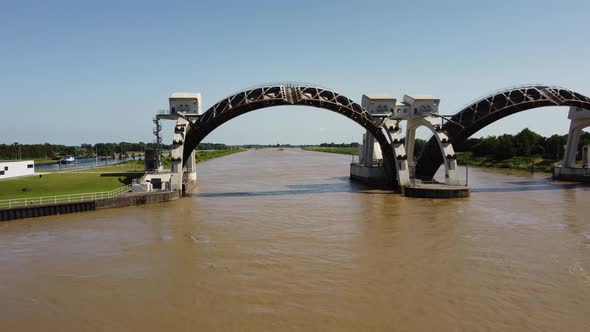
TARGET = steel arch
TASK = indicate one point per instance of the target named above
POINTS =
(285, 94)
(494, 107)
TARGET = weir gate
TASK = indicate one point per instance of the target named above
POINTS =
(386, 157)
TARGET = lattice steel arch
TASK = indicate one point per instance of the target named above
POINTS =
(285, 94)
(494, 107)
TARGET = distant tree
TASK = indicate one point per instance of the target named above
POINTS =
(419, 145)
(553, 147)
(485, 146)
(524, 141)
(504, 147)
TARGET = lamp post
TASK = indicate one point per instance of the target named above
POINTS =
(16, 148)
(467, 170)
(557, 148)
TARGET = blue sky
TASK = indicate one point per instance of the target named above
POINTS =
(74, 72)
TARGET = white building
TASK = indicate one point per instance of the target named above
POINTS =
(187, 103)
(13, 169)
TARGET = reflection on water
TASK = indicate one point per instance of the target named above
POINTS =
(281, 240)
(82, 163)
(533, 185)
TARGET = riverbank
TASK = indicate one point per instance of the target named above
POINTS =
(211, 154)
(534, 163)
(84, 205)
(467, 158)
(87, 180)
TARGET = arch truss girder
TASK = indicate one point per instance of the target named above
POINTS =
(494, 107)
(283, 95)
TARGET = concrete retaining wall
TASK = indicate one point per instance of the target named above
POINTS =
(132, 199)
(123, 200)
(45, 210)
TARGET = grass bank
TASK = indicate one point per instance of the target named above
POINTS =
(518, 163)
(63, 184)
(467, 158)
(86, 180)
(211, 154)
(340, 150)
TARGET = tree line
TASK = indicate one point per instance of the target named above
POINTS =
(339, 145)
(526, 143)
(56, 151)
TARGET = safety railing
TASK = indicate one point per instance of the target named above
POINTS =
(28, 201)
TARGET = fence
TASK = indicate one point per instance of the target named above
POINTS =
(28, 201)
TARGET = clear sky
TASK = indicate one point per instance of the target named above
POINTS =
(76, 72)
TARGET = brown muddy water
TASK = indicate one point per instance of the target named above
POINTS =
(281, 240)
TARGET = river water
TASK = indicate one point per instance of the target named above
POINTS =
(281, 240)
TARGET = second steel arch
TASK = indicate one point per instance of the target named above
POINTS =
(494, 107)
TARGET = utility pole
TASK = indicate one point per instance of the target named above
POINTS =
(467, 170)
(15, 150)
(557, 148)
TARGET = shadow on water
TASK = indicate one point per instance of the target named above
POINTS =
(533, 185)
(345, 186)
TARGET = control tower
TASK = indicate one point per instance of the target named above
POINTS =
(379, 106)
(387, 111)
(183, 108)
(417, 111)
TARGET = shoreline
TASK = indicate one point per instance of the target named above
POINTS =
(121, 200)
(84, 180)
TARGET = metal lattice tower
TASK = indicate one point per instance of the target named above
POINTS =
(157, 132)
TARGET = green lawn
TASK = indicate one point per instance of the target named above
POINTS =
(86, 180)
(64, 183)
(339, 150)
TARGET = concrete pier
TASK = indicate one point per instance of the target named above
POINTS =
(372, 175)
(571, 174)
(435, 190)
